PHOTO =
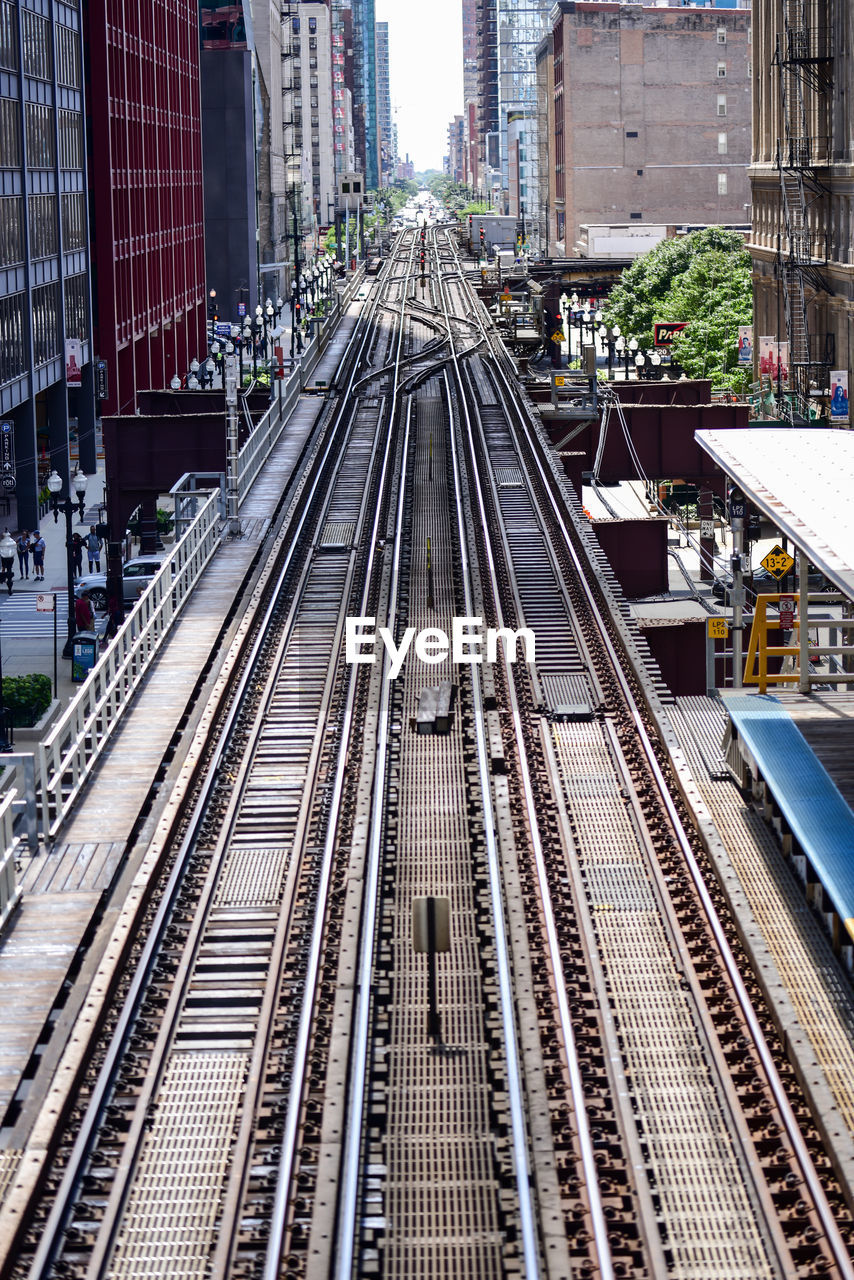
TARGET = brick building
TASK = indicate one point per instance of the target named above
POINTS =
(802, 180)
(646, 116)
(146, 181)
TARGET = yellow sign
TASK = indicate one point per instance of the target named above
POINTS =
(717, 628)
(560, 382)
(557, 336)
(778, 562)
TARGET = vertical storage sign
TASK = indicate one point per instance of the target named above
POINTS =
(7, 457)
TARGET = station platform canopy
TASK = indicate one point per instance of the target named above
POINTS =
(802, 480)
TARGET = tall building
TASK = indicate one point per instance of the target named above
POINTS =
(144, 114)
(648, 118)
(46, 349)
(802, 180)
(318, 154)
(384, 125)
(470, 93)
(365, 90)
(343, 83)
(456, 149)
(237, 180)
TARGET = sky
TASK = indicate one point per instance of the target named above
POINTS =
(426, 72)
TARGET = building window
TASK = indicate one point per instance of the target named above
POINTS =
(41, 151)
(44, 232)
(35, 32)
(722, 144)
(721, 70)
(70, 140)
(636, 216)
(46, 323)
(8, 36)
(67, 56)
(295, 26)
(721, 184)
(12, 356)
(73, 220)
(721, 104)
(10, 137)
(77, 307)
(11, 231)
(721, 35)
(312, 25)
(631, 133)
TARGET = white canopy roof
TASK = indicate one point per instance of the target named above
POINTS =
(803, 480)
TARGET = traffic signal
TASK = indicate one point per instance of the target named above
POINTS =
(213, 312)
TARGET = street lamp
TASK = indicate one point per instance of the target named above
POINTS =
(67, 507)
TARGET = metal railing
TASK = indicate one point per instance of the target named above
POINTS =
(10, 890)
(262, 441)
(68, 754)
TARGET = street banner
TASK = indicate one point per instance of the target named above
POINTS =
(73, 362)
(774, 358)
(745, 344)
(839, 395)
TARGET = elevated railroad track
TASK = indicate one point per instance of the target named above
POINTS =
(264, 1099)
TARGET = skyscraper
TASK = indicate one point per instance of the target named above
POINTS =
(384, 128)
(365, 95)
(148, 217)
(46, 353)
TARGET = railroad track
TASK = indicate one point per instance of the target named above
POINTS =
(603, 1099)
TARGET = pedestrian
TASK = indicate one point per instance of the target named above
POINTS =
(77, 545)
(37, 548)
(7, 559)
(93, 550)
(115, 616)
(22, 542)
(84, 618)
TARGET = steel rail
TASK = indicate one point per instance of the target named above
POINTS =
(585, 1139)
(530, 1237)
(275, 1243)
(61, 1209)
(790, 1123)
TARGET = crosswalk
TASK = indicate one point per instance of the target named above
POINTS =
(20, 617)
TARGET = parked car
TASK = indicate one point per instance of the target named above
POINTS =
(764, 583)
(136, 575)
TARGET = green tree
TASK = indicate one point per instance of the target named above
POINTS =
(703, 279)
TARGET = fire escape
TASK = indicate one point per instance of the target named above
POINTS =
(805, 75)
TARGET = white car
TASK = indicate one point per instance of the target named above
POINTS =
(136, 575)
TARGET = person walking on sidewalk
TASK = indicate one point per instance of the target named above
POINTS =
(22, 542)
(7, 559)
(84, 618)
(77, 545)
(93, 549)
(37, 548)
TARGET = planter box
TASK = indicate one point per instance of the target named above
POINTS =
(26, 739)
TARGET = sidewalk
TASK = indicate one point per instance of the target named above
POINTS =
(26, 634)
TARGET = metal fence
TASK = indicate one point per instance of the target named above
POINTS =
(68, 754)
(66, 758)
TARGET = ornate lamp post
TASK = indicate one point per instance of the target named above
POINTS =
(68, 508)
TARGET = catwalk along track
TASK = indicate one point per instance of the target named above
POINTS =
(430, 700)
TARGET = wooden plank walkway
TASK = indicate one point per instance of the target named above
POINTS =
(63, 886)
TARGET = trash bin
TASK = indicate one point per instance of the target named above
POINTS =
(84, 655)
